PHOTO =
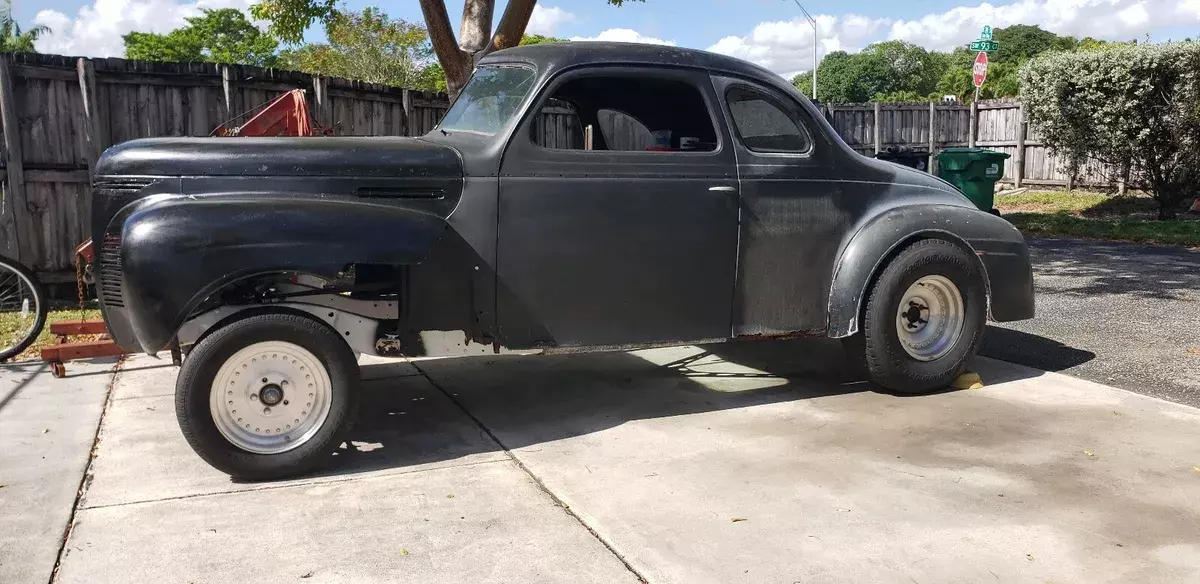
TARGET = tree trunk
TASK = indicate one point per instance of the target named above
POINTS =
(456, 62)
(1168, 198)
(458, 58)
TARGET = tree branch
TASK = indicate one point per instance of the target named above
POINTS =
(512, 24)
(455, 62)
(476, 24)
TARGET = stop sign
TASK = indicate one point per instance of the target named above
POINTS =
(979, 70)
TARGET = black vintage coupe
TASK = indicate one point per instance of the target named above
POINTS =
(576, 196)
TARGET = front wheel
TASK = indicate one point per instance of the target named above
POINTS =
(924, 318)
(267, 397)
(22, 308)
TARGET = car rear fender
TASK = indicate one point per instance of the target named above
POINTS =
(176, 252)
(998, 247)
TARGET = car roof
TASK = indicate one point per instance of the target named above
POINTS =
(553, 56)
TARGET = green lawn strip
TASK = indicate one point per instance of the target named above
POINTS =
(9, 324)
(1185, 233)
(1053, 200)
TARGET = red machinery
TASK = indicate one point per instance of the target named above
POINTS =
(286, 115)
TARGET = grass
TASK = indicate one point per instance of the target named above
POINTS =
(10, 323)
(1097, 216)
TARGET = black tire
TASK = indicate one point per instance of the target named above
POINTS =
(194, 387)
(17, 270)
(884, 358)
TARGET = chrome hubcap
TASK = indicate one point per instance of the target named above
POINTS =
(930, 318)
(270, 397)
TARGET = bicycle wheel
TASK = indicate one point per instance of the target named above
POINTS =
(22, 308)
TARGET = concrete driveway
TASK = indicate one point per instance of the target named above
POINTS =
(734, 463)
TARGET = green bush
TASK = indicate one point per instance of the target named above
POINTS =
(1133, 107)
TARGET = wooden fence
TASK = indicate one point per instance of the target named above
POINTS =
(998, 125)
(59, 113)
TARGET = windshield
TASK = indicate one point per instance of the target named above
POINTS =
(490, 98)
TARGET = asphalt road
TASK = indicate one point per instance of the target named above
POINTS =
(1120, 314)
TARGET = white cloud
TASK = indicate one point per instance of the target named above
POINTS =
(625, 35)
(545, 19)
(786, 46)
(96, 30)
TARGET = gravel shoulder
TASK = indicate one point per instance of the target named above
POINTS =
(1116, 313)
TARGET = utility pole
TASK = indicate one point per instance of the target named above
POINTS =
(815, 62)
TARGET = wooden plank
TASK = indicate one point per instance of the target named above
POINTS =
(385, 98)
(58, 176)
(85, 73)
(107, 78)
(932, 134)
(225, 91)
(972, 128)
(15, 235)
(407, 104)
(31, 72)
(1019, 159)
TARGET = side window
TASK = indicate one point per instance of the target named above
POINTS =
(626, 113)
(763, 125)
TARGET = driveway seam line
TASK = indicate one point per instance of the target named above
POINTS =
(536, 479)
(86, 480)
(330, 481)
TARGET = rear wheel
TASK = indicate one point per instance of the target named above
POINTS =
(267, 397)
(924, 318)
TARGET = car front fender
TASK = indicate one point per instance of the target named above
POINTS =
(999, 247)
(176, 252)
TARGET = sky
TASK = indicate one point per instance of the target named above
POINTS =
(772, 33)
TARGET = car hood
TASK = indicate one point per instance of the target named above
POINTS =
(382, 157)
(891, 172)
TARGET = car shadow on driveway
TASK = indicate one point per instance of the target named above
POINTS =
(459, 407)
(1031, 350)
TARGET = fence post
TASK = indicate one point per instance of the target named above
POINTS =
(225, 91)
(91, 126)
(15, 239)
(973, 125)
(1019, 159)
(324, 106)
(407, 104)
(878, 133)
(932, 131)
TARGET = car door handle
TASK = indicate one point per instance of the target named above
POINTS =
(722, 189)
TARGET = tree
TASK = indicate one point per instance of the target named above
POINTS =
(12, 38)
(1020, 42)
(537, 39)
(289, 19)
(1133, 107)
(218, 36)
(370, 46)
(891, 68)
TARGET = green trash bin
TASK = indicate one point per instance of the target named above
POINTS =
(974, 171)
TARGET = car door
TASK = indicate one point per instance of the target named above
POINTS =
(795, 211)
(608, 247)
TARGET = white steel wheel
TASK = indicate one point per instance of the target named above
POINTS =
(270, 397)
(930, 317)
